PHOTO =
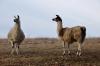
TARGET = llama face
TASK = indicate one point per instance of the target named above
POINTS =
(16, 19)
(57, 19)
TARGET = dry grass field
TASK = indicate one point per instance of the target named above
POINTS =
(48, 52)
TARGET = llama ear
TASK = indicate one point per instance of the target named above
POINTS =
(18, 16)
(57, 15)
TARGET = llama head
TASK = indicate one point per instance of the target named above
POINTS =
(57, 19)
(17, 19)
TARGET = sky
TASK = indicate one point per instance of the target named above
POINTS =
(36, 16)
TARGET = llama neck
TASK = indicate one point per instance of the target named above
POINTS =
(59, 26)
(17, 25)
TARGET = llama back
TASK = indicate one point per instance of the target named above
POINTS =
(78, 33)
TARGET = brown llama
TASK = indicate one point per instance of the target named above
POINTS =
(70, 35)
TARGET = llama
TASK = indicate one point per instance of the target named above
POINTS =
(70, 35)
(16, 35)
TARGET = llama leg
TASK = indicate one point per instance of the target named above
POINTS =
(12, 50)
(64, 50)
(79, 49)
(68, 49)
(16, 48)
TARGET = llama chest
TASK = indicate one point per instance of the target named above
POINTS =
(65, 34)
(16, 35)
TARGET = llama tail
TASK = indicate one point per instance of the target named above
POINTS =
(83, 29)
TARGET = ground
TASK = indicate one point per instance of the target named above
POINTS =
(48, 52)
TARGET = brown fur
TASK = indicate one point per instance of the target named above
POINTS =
(73, 34)
(70, 35)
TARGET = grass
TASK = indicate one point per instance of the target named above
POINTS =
(48, 52)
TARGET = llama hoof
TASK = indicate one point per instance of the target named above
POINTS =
(64, 54)
(69, 53)
(78, 53)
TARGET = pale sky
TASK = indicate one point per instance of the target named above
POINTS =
(36, 15)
